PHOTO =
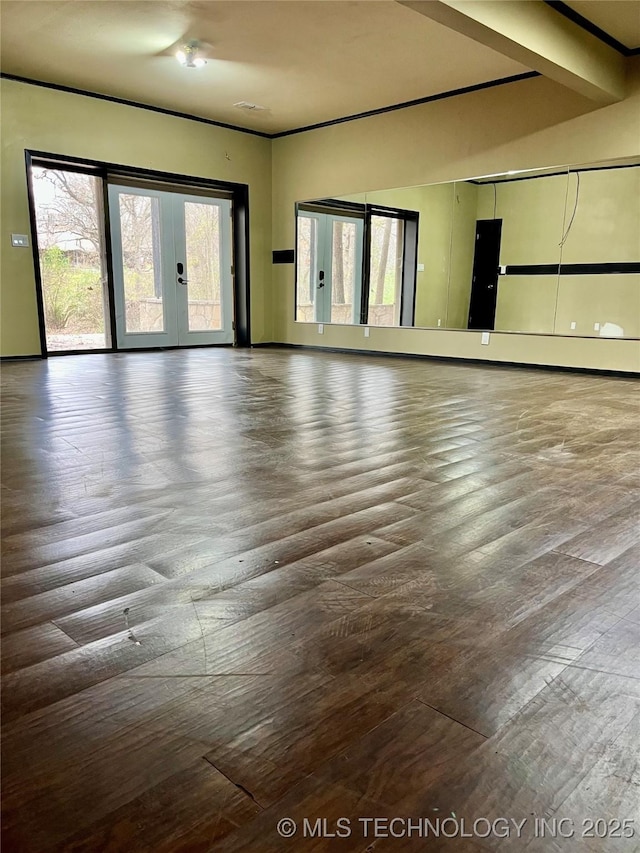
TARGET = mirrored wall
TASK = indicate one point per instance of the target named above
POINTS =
(553, 251)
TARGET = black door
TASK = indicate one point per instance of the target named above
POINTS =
(484, 283)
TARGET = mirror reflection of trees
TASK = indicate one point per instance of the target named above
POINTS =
(333, 242)
(343, 271)
(305, 260)
(385, 270)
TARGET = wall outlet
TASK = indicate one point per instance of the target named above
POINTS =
(596, 327)
(366, 331)
(439, 323)
(20, 240)
(573, 324)
(321, 328)
(486, 337)
(420, 267)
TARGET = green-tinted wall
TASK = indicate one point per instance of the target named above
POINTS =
(61, 123)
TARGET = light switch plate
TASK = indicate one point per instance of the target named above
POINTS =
(573, 324)
(420, 267)
(20, 241)
(320, 328)
(503, 270)
(485, 338)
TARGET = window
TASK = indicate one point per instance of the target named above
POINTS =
(68, 207)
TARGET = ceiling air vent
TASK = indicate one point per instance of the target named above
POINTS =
(247, 105)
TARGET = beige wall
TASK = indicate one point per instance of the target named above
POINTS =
(608, 300)
(536, 212)
(526, 303)
(533, 217)
(532, 214)
(434, 251)
(463, 238)
(606, 226)
(61, 123)
(525, 125)
(605, 229)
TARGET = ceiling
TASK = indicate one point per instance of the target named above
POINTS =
(307, 62)
(618, 18)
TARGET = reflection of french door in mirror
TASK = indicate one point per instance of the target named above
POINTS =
(172, 271)
(329, 261)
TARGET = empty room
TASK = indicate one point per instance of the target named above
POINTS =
(320, 485)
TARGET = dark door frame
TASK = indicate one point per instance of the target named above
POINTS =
(487, 257)
(106, 171)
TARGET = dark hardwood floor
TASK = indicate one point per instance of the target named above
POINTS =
(240, 586)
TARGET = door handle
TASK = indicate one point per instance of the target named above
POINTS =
(321, 278)
(182, 280)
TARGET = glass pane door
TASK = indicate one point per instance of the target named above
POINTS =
(346, 270)
(328, 268)
(142, 246)
(205, 285)
(142, 263)
(307, 266)
(173, 282)
(204, 293)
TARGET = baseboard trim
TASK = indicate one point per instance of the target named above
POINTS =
(7, 358)
(479, 362)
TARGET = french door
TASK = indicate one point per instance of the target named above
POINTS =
(172, 273)
(329, 258)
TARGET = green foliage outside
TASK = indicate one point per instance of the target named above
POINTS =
(72, 295)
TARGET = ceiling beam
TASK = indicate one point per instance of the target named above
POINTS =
(533, 33)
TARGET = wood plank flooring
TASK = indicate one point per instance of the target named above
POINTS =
(246, 585)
